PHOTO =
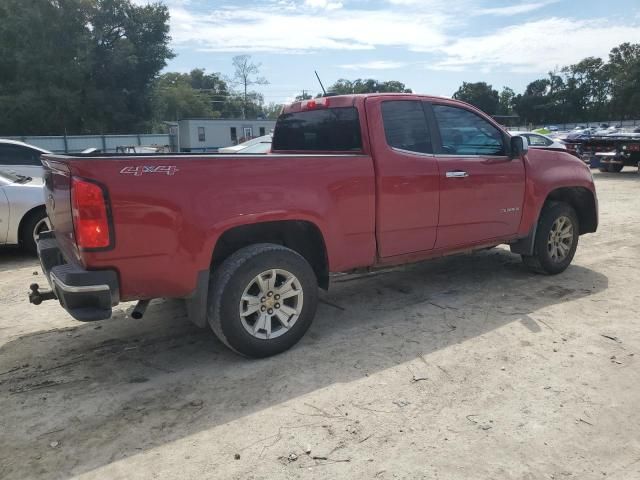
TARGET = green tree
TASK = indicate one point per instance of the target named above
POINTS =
(480, 95)
(272, 110)
(194, 94)
(505, 105)
(532, 105)
(624, 70)
(367, 85)
(79, 66)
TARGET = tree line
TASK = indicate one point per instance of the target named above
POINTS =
(79, 66)
(93, 67)
(591, 90)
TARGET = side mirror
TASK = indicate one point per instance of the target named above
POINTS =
(519, 146)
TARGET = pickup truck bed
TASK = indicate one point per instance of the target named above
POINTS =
(401, 178)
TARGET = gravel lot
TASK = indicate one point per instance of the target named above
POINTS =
(459, 368)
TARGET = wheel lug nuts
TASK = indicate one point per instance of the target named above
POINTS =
(277, 305)
(270, 311)
(263, 308)
(277, 297)
(263, 299)
(269, 294)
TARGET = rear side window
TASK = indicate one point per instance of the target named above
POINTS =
(326, 129)
(17, 155)
(405, 126)
(465, 133)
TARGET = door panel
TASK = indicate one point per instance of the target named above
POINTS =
(481, 188)
(407, 180)
(484, 204)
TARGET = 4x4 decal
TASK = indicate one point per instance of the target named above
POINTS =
(141, 169)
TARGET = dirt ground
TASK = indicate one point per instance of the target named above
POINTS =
(459, 368)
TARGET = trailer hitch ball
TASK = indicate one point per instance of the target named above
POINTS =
(37, 297)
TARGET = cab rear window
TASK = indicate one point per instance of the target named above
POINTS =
(326, 129)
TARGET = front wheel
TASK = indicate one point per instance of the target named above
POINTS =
(262, 300)
(556, 239)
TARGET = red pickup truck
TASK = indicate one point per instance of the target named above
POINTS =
(353, 182)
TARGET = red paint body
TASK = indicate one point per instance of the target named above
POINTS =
(377, 207)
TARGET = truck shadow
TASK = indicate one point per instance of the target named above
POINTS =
(112, 389)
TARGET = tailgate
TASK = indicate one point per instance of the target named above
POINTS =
(57, 184)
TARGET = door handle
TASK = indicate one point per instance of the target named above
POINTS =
(457, 174)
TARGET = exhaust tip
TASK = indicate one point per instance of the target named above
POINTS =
(139, 309)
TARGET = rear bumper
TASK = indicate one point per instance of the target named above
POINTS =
(86, 294)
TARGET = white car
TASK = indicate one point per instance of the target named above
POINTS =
(255, 145)
(22, 210)
(21, 158)
(537, 140)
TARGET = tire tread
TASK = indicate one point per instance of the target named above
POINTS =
(221, 276)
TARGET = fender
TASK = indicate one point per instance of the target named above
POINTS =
(552, 175)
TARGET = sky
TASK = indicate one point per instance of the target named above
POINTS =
(430, 45)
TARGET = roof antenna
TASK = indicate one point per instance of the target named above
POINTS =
(324, 92)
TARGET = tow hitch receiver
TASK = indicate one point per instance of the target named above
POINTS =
(37, 297)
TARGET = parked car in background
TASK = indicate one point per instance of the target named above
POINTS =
(255, 145)
(22, 211)
(537, 140)
(21, 158)
(576, 135)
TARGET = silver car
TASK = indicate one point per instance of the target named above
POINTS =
(255, 145)
(537, 140)
(21, 158)
(22, 211)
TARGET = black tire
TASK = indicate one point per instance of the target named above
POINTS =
(603, 168)
(615, 167)
(236, 273)
(27, 227)
(541, 261)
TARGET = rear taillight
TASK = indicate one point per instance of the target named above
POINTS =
(90, 218)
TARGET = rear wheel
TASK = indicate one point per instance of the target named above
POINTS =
(615, 167)
(556, 239)
(262, 300)
(32, 226)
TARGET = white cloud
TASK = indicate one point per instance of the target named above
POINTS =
(231, 30)
(324, 4)
(375, 65)
(514, 9)
(439, 28)
(537, 46)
